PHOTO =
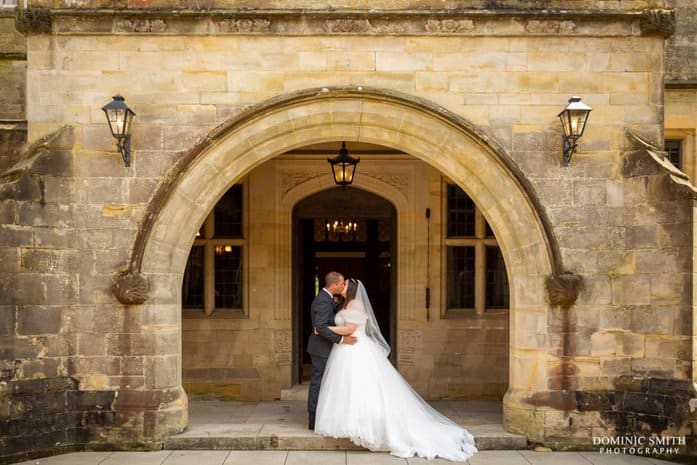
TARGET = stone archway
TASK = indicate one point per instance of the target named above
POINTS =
(445, 141)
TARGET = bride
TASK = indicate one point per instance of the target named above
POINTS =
(364, 398)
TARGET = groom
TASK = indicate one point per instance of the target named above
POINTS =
(321, 339)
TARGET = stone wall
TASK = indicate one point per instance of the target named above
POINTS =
(43, 409)
(681, 50)
(73, 218)
(50, 415)
(373, 4)
(13, 55)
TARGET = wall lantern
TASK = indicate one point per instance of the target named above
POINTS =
(573, 121)
(343, 167)
(120, 119)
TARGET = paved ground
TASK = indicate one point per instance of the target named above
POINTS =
(225, 457)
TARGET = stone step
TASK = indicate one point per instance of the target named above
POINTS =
(269, 425)
(297, 392)
(293, 437)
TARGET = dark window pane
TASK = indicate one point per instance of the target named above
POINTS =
(488, 231)
(674, 149)
(228, 213)
(496, 279)
(228, 276)
(192, 286)
(460, 270)
(460, 213)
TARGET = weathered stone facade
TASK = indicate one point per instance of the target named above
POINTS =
(470, 94)
(681, 54)
(13, 55)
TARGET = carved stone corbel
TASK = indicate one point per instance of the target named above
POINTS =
(563, 288)
(660, 22)
(130, 288)
(661, 159)
(33, 20)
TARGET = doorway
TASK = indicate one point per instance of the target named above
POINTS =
(352, 231)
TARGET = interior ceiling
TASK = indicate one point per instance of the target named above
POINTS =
(349, 202)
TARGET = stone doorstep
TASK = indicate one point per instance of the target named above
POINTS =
(265, 438)
(280, 425)
(297, 392)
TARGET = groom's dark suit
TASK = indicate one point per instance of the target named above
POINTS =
(319, 346)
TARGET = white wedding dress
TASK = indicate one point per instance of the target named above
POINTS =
(364, 398)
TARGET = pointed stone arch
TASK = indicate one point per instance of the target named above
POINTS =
(449, 143)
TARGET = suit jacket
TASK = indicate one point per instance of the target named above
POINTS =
(322, 314)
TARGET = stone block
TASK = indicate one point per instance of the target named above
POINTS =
(598, 288)
(633, 345)
(606, 343)
(91, 344)
(132, 365)
(15, 236)
(49, 261)
(39, 320)
(313, 60)
(179, 137)
(643, 403)
(61, 289)
(53, 162)
(41, 368)
(105, 319)
(669, 288)
(162, 372)
(9, 260)
(7, 212)
(668, 347)
(641, 236)
(613, 367)
(57, 238)
(651, 319)
(8, 318)
(674, 235)
(22, 289)
(590, 192)
(635, 289)
(140, 343)
(45, 215)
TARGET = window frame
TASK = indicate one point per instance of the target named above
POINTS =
(209, 242)
(687, 138)
(479, 242)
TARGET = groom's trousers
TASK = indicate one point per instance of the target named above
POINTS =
(318, 365)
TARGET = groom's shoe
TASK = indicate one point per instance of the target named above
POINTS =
(311, 421)
(311, 427)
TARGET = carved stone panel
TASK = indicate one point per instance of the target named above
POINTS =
(282, 346)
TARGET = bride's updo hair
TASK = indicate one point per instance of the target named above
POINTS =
(351, 290)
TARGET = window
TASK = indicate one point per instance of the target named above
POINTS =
(475, 273)
(674, 149)
(8, 3)
(213, 273)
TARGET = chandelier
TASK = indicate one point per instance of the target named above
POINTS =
(341, 226)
